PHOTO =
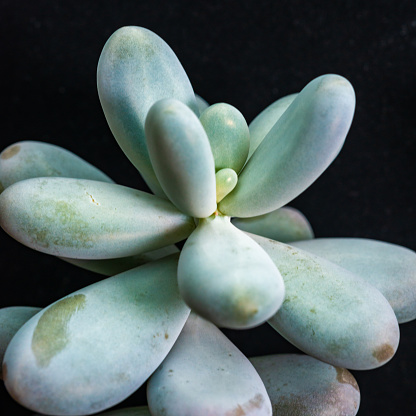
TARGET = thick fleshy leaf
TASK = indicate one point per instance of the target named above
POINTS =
(95, 347)
(205, 374)
(181, 157)
(388, 267)
(136, 69)
(316, 123)
(301, 385)
(11, 320)
(228, 135)
(87, 219)
(284, 224)
(329, 312)
(226, 180)
(110, 267)
(29, 159)
(264, 122)
(226, 277)
(201, 103)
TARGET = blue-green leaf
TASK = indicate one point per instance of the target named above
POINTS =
(296, 151)
(181, 157)
(301, 385)
(228, 135)
(89, 220)
(136, 69)
(285, 224)
(95, 347)
(11, 320)
(29, 159)
(205, 374)
(264, 122)
(226, 277)
(329, 312)
(388, 267)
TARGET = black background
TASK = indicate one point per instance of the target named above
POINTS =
(247, 54)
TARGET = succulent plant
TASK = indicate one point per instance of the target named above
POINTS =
(338, 300)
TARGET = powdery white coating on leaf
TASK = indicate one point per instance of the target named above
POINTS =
(264, 122)
(329, 312)
(181, 157)
(388, 267)
(87, 219)
(30, 159)
(284, 224)
(136, 69)
(95, 347)
(316, 123)
(11, 320)
(228, 135)
(301, 385)
(227, 278)
(205, 374)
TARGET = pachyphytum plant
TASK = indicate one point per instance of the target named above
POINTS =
(338, 300)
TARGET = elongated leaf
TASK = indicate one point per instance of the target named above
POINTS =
(205, 374)
(228, 135)
(11, 320)
(136, 69)
(181, 156)
(329, 312)
(95, 347)
(226, 277)
(388, 267)
(301, 385)
(296, 151)
(28, 159)
(110, 267)
(88, 219)
(285, 224)
(264, 122)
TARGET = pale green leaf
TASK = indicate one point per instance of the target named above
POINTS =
(136, 69)
(95, 347)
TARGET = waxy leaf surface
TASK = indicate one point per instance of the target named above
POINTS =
(228, 135)
(181, 157)
(388, 267)
(29, 159)
(87, 219)
(296, 151)
(95, 347)
(329, 312)
(226, 277)
(285, 224)
(205, 374)
(302, 385)
(136, 69)
(11, 320)
(264, 122)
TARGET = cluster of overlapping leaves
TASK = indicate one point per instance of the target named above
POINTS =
(338, 300)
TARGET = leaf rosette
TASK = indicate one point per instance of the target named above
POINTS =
(334, 299)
